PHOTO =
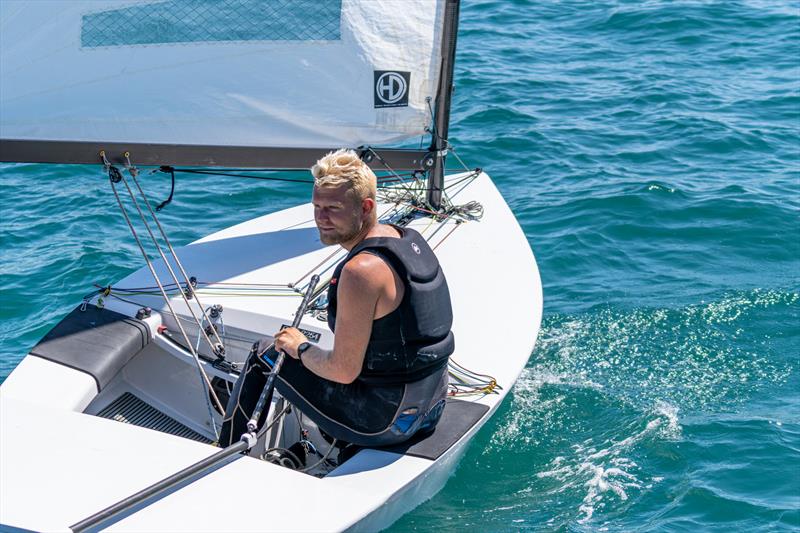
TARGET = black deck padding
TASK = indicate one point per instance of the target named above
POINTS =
(96, 341)
(458, 417)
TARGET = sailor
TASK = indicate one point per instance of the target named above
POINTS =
(385, 379)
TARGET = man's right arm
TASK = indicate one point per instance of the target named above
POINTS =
(360, 286)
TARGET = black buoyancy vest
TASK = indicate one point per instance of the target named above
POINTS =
(414, 340)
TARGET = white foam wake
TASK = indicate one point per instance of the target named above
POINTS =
(606, 472)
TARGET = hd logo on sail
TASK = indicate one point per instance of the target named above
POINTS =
(391, 88)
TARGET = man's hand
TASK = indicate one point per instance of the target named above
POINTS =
(287, 340)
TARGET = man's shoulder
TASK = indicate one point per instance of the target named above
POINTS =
(367, 270)
(365, 263)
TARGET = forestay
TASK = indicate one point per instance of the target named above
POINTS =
(284, 73)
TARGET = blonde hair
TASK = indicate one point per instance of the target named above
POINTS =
(345, 167)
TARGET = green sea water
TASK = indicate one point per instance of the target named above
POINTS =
(651, 153)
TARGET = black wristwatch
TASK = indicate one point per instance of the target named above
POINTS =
(301, 350)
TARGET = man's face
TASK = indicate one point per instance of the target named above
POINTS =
(338, 216)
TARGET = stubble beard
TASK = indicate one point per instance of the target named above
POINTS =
(342, 236)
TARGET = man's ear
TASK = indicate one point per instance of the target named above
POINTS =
(368, 206)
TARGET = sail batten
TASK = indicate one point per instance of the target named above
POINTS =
(232, 73)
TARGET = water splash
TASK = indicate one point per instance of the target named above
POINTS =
(606, 393)
(711, 355)
(604, 470)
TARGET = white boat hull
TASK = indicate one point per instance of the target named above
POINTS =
(60, 463)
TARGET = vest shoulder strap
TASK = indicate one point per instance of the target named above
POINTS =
(410, 255)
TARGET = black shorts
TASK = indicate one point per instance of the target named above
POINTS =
(359, 413)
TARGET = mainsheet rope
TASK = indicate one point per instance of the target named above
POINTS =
(216, 350)
(115, 176)
(233, 173)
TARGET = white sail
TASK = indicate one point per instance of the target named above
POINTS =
(278, 73)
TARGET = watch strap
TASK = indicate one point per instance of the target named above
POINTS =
(301, 349)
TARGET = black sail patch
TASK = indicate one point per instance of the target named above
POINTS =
(391, 88)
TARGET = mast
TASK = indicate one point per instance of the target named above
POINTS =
(442, 107)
